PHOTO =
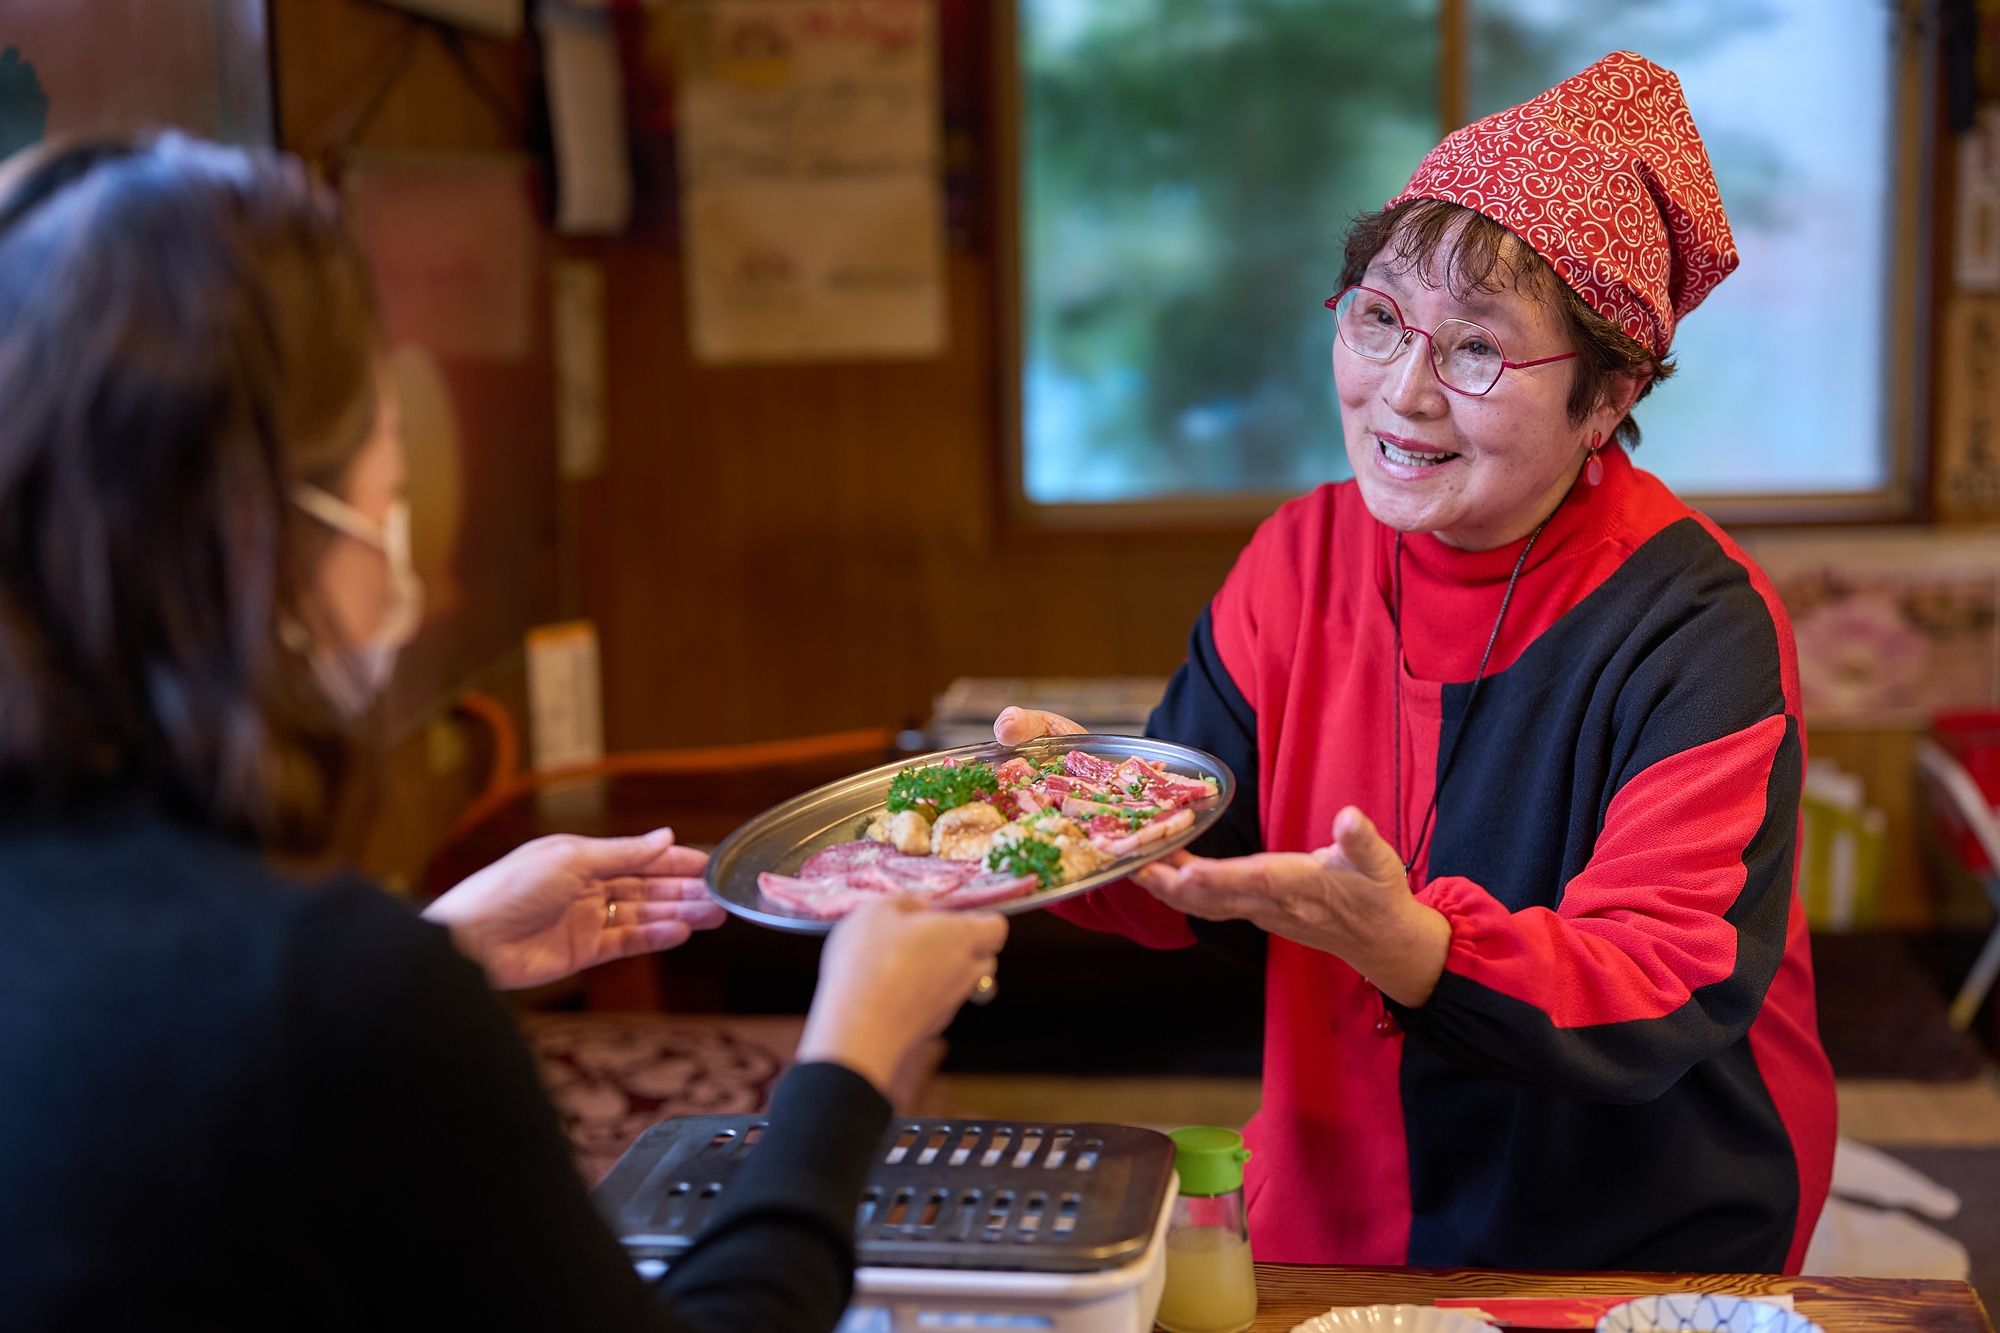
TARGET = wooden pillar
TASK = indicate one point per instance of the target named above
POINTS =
(1454, 64)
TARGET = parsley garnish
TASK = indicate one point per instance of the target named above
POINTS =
(941, 787)
(1027, 856)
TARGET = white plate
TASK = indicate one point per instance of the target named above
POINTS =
(1698, 1313)
(1392, 1319)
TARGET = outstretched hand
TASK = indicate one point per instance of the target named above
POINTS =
(545, 910)
(1351, 899)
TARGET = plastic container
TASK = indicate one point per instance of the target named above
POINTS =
(1841, 841)
(1211, 1287)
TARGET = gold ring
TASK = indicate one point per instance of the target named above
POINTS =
(984, 990)
(610, 915)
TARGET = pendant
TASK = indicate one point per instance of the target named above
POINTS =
(1593, 471)
(1386, 1024)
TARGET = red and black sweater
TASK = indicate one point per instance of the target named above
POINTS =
(1620, 1068)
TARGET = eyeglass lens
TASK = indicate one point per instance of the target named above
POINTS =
(1464, 355)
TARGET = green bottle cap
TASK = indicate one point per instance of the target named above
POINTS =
(1210, 1160)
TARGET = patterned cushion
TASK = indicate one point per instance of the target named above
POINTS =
(613, 1075)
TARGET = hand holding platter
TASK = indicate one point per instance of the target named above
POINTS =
(1018, 726)
(1351, 899)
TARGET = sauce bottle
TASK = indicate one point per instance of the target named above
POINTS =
(1210, 1286)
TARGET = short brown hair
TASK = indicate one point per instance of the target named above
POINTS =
(186, 330)
(1485, 257)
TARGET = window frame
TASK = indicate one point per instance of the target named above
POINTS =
(1912, 275)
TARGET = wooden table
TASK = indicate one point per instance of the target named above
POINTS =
(1288, 1294)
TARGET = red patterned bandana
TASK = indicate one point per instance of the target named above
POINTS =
(1606, 178)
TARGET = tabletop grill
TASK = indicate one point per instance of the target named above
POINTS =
(1037, 1220)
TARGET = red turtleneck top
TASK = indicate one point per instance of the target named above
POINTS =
(1620, 1067)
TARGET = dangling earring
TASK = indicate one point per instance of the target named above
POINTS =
(1593, 470)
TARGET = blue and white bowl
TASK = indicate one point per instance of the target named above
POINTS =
(1700, 1313)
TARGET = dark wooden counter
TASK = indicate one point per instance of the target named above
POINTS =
(1288, 1294)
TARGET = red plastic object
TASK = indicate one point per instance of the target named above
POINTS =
(1971, 736)
(1537, 1311)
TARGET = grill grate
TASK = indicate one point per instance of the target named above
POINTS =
(942, 1193)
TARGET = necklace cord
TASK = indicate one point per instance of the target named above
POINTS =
(1396, 683)
(1472, 696)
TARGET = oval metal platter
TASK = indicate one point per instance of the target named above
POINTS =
(780, 839)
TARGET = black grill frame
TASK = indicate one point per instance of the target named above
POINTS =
(1005, 1195)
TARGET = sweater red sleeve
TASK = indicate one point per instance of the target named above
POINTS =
(1631, 977)
(1210, 704)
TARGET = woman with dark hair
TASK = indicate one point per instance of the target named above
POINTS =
(1543, 998)
(232, 1096)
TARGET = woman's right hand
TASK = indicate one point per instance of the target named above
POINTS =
(893, 973)
(1018, 726)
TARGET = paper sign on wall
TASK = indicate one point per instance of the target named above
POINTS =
(586, 120)
(1968, 457)
(812, 214)
(1976, 247)
(565, 695)
(576, 299)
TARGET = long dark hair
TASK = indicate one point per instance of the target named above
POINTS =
(185, 331)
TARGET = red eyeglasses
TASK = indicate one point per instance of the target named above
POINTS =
(1465, 356)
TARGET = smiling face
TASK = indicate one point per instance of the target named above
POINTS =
(1477, 472)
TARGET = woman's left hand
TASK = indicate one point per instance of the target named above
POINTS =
(1351, 899)
(560, 904)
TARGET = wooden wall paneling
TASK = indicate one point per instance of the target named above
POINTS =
(775, 550)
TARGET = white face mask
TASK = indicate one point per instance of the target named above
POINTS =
(354, 676)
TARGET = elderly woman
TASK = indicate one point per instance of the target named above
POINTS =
(1544, 999)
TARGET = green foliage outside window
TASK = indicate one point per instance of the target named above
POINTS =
(1190, 166)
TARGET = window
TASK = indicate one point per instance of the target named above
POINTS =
(1186, 169)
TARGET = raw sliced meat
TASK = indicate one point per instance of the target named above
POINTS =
(912, 876)
(832, 862)
(1161, 786)
(986, 890)
(820, 899)
(1126, 844)
(1107, 825)
(1090, 768)
(1058, 785)
(1082, 808)
(1014, 770)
